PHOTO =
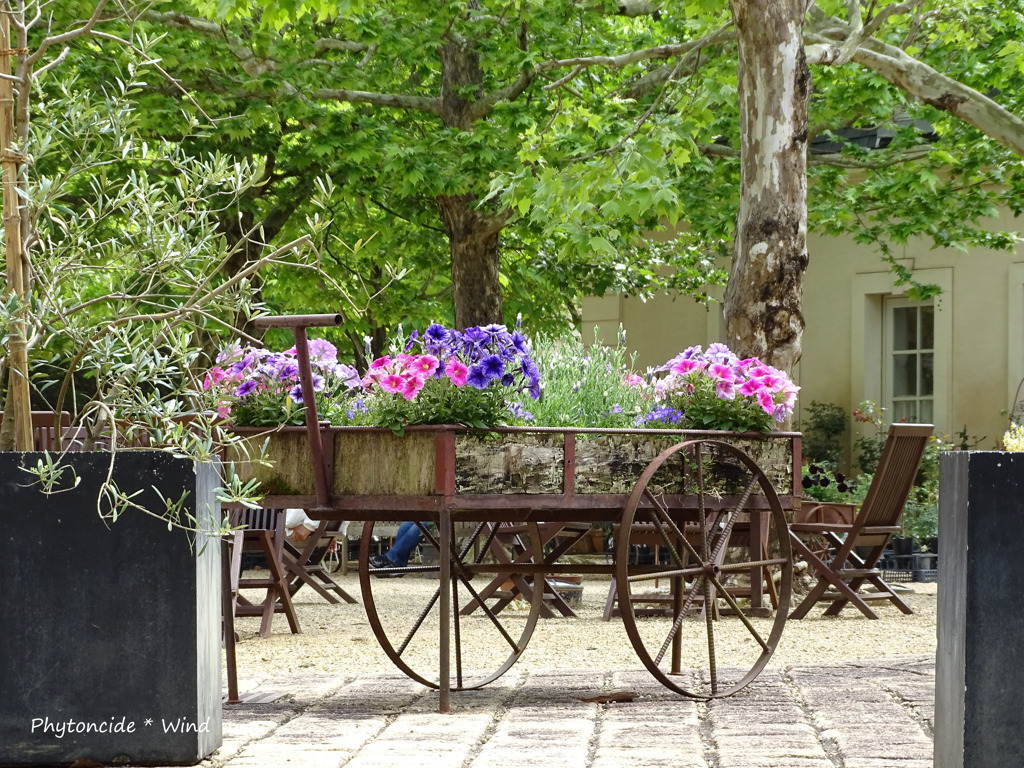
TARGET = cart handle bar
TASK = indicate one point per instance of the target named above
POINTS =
(297, 321)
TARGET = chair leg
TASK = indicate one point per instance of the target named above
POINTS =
(826, 577)
(228, 622)
(609, 603)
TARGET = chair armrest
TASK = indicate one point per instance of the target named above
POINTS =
(880, 529)
(820, 527)
(827, 512)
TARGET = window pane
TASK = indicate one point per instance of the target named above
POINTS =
(904, 375)
(927, 327)
(927, 374)
(904, 328)
(925, 412)
(904, 410)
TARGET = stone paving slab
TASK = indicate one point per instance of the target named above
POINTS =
(868, 714)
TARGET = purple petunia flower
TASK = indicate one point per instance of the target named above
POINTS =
(323, 352)
(477, 378)
(519, 342)
(508, 380)
(493, 366)
(246, 388)
(349, 376)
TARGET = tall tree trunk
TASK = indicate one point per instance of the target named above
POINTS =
(473, 234)
(763, 299)
(474, 242)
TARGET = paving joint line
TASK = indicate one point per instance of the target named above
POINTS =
(706, 730)
(389, 720)
(829, 746)
(594, 742)
(910, 708)
(288, 715)
(499, 712)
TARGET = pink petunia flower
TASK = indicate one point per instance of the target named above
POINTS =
(380, 362)
(722, 372)
(412, 386)
(750, 388)
(392, 383)
(726, 389)
(764, 397)
(214, 377)
(684, 367)
(424, 365)
(456, 371)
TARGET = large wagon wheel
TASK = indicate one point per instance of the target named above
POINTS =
(721, 657)
(404, 613)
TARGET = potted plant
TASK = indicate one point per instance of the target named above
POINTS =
(487, 378)
(977, 670)
(121, 269)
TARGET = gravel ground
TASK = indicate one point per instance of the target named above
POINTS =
(337, 638)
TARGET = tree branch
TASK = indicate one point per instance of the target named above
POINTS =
(645, 54)
(253, 66)
(855, 31)
(420, 103)
(939, 91)
(85, 29)
(656, 77)
(481, 107)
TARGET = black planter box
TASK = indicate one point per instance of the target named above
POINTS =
(111, 629)
(979, 669)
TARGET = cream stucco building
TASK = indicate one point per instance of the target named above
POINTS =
(956, 360)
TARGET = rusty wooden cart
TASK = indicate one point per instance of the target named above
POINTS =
(482, 497)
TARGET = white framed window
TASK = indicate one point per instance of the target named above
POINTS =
(909, 360)
(911, 379)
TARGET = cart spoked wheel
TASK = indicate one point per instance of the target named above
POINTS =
(699, 562)
(403, 604)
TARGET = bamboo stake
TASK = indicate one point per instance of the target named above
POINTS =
(19, 401)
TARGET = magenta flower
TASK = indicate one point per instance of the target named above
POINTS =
(424, 365)
(722, 371)
(214, 377)
(750, 388)
(764, 397)
(380, 362)
(392, 383)
(412, 386)
(689, 365)
(457, 371)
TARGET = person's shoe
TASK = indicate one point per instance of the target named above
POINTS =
(379, 561)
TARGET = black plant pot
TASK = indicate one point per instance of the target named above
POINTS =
(111, 629)
(979, 670)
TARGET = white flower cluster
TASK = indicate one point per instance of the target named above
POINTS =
(1014, 438)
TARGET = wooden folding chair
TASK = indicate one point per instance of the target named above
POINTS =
(556, 539)
(660, 603)
(263, 532)
(305, 564)
(844, 566)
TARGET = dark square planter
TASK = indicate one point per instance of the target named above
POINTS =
(979, 669)
(111, 629)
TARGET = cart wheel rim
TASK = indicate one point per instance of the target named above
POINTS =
(701, 571)
(462, 677)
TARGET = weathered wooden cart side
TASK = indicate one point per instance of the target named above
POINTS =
(549, 467)
(700, 492)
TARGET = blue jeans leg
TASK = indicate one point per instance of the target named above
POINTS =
(406, 540)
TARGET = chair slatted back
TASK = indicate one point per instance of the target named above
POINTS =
(255, 519)
(897, 468)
